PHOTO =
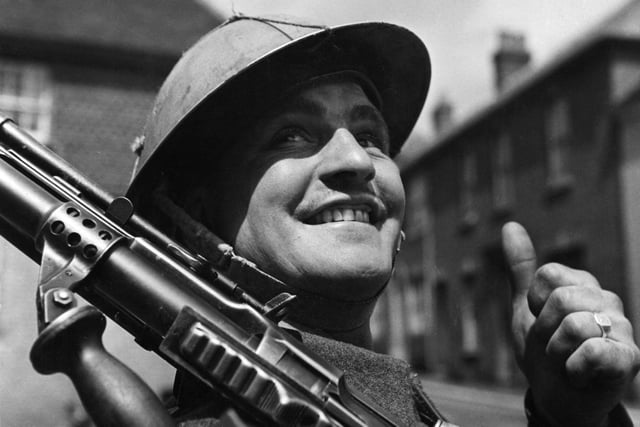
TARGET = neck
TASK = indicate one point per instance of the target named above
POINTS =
(335, 318)
(360, 337)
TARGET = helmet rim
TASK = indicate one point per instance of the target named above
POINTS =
(400, 58)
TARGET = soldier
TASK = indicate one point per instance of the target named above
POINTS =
(277, 139)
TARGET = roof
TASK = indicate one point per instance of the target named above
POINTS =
(630, 100)
(622, 25)
(164, 27)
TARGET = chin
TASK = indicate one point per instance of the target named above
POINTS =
(351, 279)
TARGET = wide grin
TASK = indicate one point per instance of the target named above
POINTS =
(338, 214)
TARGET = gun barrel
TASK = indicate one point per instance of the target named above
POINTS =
(16, 139)
(24, 144)
(25, 207)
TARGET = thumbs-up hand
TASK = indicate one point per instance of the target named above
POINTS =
(571, 338)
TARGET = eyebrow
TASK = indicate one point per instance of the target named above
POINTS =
(367, 112)
(303, 105)
(310, 107)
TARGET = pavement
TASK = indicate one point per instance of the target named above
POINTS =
(475, 406)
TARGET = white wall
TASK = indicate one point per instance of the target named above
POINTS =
(26, 397)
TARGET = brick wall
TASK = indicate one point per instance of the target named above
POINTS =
(97, 113)
(584, 217)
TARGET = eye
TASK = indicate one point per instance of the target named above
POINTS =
(371, 140)
(291, 136)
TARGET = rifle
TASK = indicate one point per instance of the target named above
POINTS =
(174, 303)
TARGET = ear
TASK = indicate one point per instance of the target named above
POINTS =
(401, 239)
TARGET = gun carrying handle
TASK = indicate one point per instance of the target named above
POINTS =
(112, 394)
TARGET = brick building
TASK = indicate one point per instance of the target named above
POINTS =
(81, 76)
(557, 151)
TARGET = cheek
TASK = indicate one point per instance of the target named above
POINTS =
(267, 231)
(272, 199)
(281, 187)
(391, 189)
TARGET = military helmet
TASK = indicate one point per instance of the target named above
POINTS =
(231, 74)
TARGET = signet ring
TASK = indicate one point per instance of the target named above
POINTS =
(604, 323)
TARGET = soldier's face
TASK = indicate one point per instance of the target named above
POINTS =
(313, 197)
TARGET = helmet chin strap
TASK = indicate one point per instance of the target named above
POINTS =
(310, 311)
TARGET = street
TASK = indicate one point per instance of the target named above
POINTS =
(482, 407)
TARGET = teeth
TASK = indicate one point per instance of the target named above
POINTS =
(342, 214)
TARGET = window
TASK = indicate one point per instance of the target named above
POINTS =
(25, 97)
(557, 131)
(502, 174)
(418, 215)
(468, 190)
(443, 325)
(468, 320)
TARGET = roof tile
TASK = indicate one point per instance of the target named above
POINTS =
(155, 26)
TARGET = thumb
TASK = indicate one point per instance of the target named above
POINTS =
(520, 256)
(521, 261)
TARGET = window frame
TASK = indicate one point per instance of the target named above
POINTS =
(469, 181)
(558, 130)
(28, 99)
(502, 174)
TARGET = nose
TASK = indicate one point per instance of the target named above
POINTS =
(344, 159)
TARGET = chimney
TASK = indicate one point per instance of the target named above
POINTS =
(511, 57)
(442, 116)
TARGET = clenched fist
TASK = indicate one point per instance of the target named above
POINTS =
(572, 340)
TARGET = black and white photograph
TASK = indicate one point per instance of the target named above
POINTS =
(319, 213)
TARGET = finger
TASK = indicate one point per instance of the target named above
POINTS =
(603, 362)
(552, 276)
(521, 258)
(578, 327)
(572, 299)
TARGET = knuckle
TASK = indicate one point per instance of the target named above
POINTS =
(613, 362)
(572, 327)
(626, 362)
(613, 300)
(549, 272)
(587, 279)
(562, 297)
(593, 351)
(624, 326)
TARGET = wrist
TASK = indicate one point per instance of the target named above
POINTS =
(536, 418)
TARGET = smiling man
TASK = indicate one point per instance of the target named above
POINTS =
(278, 139)
(321, 202)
